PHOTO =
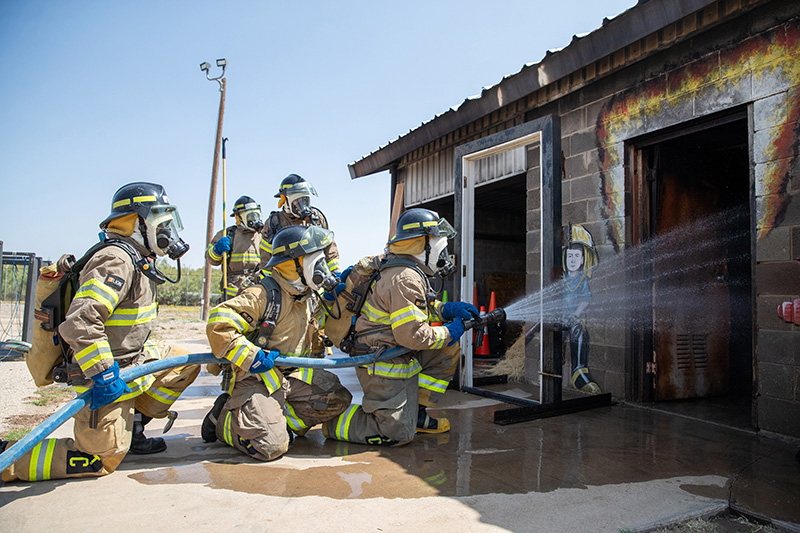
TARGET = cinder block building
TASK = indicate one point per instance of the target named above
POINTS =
(672, 131)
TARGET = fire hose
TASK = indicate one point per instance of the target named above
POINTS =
(66, 412)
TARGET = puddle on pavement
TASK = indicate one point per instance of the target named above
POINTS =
(362, 475)
(594, 448)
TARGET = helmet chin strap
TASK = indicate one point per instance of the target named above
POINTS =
(299, 269)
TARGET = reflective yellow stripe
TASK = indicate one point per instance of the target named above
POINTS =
(238, 353)
(333, 265)
(306, 375)
(433, 384)
(162, 395)
(442, 334)
(99, 291)
(407, 314)
(212, 254)
(231, 291)
(374, 314)
(140, 199)
(292, 420)
(412, 225)
(151, 349)
(246, 257)
(131, 317)
(271, 380)
(228, 316)
(342, 431)
(227, 436)
(266, 246)
(137, 386)
(93, 354)
(394, 370)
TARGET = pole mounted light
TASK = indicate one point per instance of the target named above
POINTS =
(212, 197)
(205, 66)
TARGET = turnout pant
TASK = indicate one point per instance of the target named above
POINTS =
(438, 369)
(99, 451)
(388, 414)
(256, 422)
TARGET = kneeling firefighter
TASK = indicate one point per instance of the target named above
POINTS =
(106, 328)
(273, 317)
(397, 311)
(242, 244)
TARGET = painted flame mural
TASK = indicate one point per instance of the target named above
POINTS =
(765, 67)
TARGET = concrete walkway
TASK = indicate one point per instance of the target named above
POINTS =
(609, 469)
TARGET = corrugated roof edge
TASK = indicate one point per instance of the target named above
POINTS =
(646, 17)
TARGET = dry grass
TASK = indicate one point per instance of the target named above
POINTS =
(727, 522)
(512, 365)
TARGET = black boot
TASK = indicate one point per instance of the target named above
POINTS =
(209, 428)
(141, 445)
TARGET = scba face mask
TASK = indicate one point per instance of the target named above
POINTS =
(163, 224)
(300, 206)
(438, 259)
(251, 218)
(316, 272)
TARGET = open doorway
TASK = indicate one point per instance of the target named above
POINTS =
(695, 202)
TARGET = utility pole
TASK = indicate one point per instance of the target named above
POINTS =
(212, 196)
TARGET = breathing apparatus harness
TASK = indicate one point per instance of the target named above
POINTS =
(349, 345)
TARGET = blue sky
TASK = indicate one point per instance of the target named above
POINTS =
(96, 94)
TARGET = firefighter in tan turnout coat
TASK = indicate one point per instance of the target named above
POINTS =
(271, 318)
(107, 328)
(397, 312)
(242, 245)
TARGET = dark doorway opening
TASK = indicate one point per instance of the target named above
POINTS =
(499, 257)
(696, 207)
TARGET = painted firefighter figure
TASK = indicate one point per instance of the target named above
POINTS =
(579, 259)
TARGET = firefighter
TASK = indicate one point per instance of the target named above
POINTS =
(107, 327)
(579, 259)
(242, 244)
(294, 196)
(398, 312)
(273, 317)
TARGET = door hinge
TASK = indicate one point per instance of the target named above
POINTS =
(464, 270)
(465, 182)
(651, 368)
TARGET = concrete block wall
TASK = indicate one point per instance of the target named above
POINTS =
(744, 63)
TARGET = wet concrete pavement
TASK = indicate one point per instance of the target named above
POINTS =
(608, 469)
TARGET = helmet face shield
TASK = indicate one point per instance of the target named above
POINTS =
(302, 188)
(293, 242)
(445, 229)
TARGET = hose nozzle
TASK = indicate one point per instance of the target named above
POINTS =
(498, 315)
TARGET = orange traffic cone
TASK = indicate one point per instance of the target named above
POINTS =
(483, 349)
(444, 301)
(492, 302)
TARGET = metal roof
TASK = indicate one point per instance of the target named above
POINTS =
(646, 17)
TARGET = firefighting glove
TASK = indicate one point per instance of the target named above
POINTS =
(264, 361)
(223, 245)
(107, 387)
(331, 295)
(456, 329)
(451, 310)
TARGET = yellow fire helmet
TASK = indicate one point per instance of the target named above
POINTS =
(578, 235)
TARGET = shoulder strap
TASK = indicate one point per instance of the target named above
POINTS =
(273, 225)
(60, 299)
(230, 233)
(271, 312)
